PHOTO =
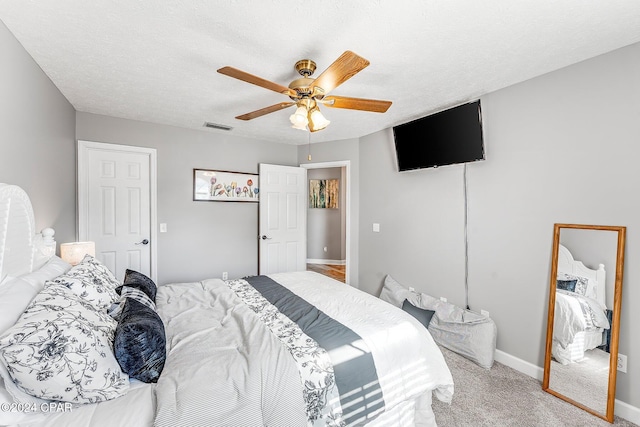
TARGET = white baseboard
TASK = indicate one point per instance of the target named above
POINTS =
(628, 412)
(622, 409)
(519, 365)
(326, 261)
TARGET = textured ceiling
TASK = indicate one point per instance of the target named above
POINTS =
(156, 61)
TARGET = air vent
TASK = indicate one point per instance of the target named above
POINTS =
(216, 126)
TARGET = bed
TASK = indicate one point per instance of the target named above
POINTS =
(288, 349)
(580, 318)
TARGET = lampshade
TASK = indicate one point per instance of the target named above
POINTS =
(317, 120)
(74, 252)
(299, 118)
(300, 126)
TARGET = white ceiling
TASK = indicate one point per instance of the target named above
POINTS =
(156, 61)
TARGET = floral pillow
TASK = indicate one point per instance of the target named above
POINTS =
(92, 267)
(92, 281)
(61, 348)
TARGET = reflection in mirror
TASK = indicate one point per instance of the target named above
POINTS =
(584, 315)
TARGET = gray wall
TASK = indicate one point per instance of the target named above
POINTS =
(37, 139)
(324, 226)
(421, 217)
(560, 148)
(203, 239)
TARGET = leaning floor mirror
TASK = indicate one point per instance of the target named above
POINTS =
(583, 326)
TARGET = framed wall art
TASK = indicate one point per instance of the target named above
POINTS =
(323, 193)
(225, 186)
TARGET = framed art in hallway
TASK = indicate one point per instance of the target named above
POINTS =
(323, 193)
(225, 186)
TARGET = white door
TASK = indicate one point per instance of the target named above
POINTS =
(282, 219)
(116, 199)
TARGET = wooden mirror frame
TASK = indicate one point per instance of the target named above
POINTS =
(615, 323)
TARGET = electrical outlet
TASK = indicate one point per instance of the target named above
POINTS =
(225, 275)
(443, 299)
(484, 313)
(622, 362)
(412, 289)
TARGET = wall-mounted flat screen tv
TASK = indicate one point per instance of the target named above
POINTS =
(444, 138)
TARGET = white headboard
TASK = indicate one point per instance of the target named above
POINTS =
(566, 264)
(21, 249)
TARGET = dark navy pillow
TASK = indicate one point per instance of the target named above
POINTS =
(567, 285)
(138, 280)
(422, 314)
(140, 342)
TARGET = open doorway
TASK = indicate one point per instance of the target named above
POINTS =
(328, 242)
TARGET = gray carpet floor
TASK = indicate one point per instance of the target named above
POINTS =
(590, 373)
(502, 396)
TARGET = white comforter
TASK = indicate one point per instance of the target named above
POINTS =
(576, 313)
(225, 368)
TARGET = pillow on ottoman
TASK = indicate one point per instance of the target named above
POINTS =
(395, 293)
(469, 334)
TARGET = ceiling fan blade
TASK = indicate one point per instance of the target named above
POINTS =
(266, 110)
(258, 81)
(342, 69)
(374, 105)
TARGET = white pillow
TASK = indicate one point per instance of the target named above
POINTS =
(53, 268)
(17, 293)
(15, 296)
(442, 308)
(395, 293)
(61, 349)
(584, 285)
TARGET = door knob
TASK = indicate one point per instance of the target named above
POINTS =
(264, 237)
(143, 242)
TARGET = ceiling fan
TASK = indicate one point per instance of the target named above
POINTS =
(308, 93)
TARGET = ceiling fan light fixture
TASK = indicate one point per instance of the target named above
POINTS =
(317, 121)
(300, 126)
(299, 119)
